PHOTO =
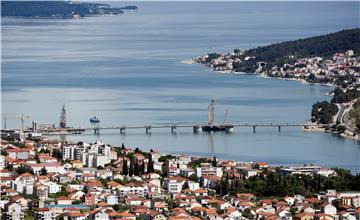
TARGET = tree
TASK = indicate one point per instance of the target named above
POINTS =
(150, 168)
(122, 146)
(186, 185)
(57, 154)
(194, 177)
(43, 171)
(22, 169)
(214, 162)
(142, 168)
(131, 170)
(136, 169)
(125, 168)
(44, 151)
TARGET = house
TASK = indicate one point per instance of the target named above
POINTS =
(289, 200)
(18, 153)
(90, 199)
(42, 192)
(206, 170)
(174, 184)
(62, 200)
(13, 211)
(304, 216)
(74, 216)
(193, 185)
(50, 168)
(24, 183)
(323, 216)
(328, 209)
(112, 199)
(43, 214)
(46, 158)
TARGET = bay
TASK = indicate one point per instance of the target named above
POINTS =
(127, 69)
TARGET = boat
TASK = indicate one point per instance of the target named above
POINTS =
(94, 119)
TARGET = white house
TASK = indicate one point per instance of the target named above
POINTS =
(329, 209)
(24, 183)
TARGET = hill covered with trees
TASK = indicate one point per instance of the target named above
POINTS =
(56, 9)
(285, 52)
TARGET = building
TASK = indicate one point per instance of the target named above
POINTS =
(24, 183)
(133, 189)
(307, 170)
(18, 153)
(174, 184)
(206, 170)
(50, 167)
(68, 152)
(12, 211)
(44, 214)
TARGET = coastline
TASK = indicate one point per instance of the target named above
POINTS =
(346, 135)
(310, 128)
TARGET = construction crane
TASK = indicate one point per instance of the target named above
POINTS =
(225, 116)
(211, 112)
(22, 117)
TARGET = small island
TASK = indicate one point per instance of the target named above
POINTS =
(58, 9)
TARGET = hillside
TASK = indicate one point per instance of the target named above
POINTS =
(57, 9)
(322, 46)
(332, 59)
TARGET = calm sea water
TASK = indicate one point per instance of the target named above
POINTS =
(127, 70)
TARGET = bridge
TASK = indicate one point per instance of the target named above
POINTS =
(197, 127)
(210, 126)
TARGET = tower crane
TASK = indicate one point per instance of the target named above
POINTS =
(225, 116)
(22, 117)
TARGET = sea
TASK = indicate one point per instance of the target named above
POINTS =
(129, 70)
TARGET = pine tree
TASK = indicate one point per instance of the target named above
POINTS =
(43, 171)
(142, 168)
(131, 170)
(125, 168)
(214, 162)
(150, 168)
(186, 185)
(136, 169)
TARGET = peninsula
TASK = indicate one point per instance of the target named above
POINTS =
(331, 59)
(58, 9)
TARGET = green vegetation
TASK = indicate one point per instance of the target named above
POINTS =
(276, 184)
(286, 52)
(354, 114)
(57, 154)
(23, 169)
(194, 177)
(54, 9)
(341, 97)
(166, 157)
(17, 144)
(197, 162)
(322, 112)
(120, 207)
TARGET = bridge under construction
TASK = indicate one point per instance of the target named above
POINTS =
(210, 126)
